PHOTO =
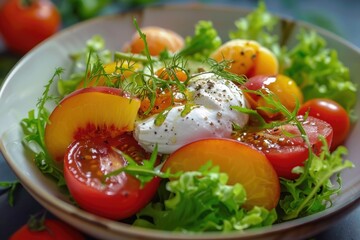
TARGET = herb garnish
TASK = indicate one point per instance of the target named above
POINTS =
(34, 130)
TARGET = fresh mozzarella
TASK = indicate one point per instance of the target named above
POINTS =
(210, 98)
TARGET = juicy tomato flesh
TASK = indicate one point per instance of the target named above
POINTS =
(284, 146)
(243, 164)
(117, 197)
(331, 112)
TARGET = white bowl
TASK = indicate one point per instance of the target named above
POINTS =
(24, 85)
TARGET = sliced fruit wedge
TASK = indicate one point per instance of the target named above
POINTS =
(89, 112)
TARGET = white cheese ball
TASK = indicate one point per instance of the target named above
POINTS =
(211, 116)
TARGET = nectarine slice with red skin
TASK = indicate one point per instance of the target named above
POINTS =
(243, 164)
(86, 113)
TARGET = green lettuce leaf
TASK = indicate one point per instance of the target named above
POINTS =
(259, 25)
(201, 201)
(319, 72)
(204, 41)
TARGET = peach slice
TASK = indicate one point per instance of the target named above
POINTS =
(89, 112)
(243, 164)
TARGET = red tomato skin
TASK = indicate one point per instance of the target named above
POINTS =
(55, 229)
(332, 113)
(288, 153)
(122, 200)
(23, 27)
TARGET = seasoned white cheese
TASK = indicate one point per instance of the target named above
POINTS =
(211, 98)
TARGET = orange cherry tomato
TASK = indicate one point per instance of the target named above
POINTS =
(158, 39)
(163, 100)
(243, 164)
(167, 74)
(168, 97)
(332, 113)
(24, 24)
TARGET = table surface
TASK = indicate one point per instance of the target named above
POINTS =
(333, 15)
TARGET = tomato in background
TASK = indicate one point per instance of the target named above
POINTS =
(284, 147)
(26, 23)
(46, 229)
(118, 197)
(283, 87)
(331, 112)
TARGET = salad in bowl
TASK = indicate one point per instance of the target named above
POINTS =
(197, 133)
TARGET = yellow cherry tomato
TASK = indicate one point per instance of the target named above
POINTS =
(284, 88)
(247, 58)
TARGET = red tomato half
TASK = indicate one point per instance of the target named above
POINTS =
(285, 148)
(121, 196)
(24, 24)
(331, 112)
(53, 229)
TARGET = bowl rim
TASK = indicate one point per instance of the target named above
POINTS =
(120, 228)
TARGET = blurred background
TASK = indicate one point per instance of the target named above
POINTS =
(340, 17)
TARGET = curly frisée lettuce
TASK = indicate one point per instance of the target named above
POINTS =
(204, 41)
(201, 201)
(258, 25)
(313, 191)
(318, 71)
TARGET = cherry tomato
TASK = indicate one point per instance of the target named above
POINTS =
(117, 197)
(24, 24)
(49, 229)
(172, 74)
(247, 57)
(158, 39)
(283, 87)
(243, 164)
(284, 146)
(331, 112)
(164, 99)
